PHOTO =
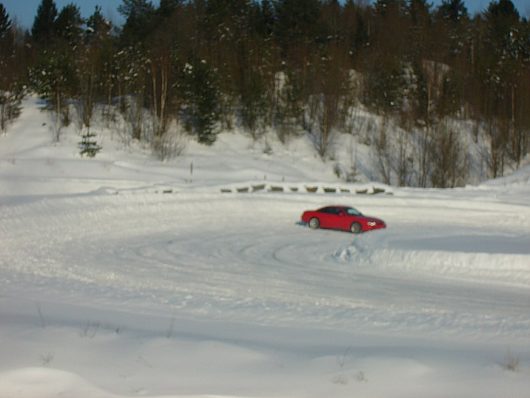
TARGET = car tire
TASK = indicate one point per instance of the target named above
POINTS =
(314, 223)
(356, 228)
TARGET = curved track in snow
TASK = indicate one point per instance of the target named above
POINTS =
(441, 268)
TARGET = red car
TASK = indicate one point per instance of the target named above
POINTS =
(344, 218)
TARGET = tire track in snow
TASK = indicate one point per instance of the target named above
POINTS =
(239, 259)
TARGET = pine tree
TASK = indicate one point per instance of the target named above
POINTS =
(384, 85)
(297, 21)
(99, 50)
(98, 27)
(68, 25)
(88, 145)
(389, 8)
(454, 39)
(43, 28)
(10, 88)
(55, 79)
(504, 71)
(5, 23)
(139, 20)
(418, 37)
(265, 18)
(453, 10)
(168, 7)
(198, 84)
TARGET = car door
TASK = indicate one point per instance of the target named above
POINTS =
(330, 218)
(324, 215)
(344, 220)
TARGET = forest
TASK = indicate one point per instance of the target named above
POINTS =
(292, 67)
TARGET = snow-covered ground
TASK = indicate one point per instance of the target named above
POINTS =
(121, 276)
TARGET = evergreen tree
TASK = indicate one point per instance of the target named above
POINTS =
(11, 91)
(168, 7)
(385, 84)
(88, 145)
(55, 79)
(390, 8)
(253, 99)
(297, 21)
(55, 74)
(265, 19)
(99, 49)
(97, 26)
(68, 25)
(129, 72)
(93, 59)
(453, 10)
(43, 28)
(361, 36)
(199, 88)
(454, 37)
(418, 12)
(160, 54)
(503, 75)
(139, 20)
(503, 27)
(5, 23)
(285, 64)
(504, 48)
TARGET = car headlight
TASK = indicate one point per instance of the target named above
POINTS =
(371, 223)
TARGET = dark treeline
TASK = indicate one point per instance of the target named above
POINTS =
(287, 65)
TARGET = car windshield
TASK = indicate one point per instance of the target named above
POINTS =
(352, 212)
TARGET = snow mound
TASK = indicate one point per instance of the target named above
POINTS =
(484, 259)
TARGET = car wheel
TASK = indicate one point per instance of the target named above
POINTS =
(356, 228)
(314, 223)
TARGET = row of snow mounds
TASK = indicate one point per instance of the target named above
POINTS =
(260, 187)
(308, 188)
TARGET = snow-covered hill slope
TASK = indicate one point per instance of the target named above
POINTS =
(121, 276)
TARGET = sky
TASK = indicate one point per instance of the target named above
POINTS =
(23, 11)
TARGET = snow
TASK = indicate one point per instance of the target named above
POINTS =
(123, 276)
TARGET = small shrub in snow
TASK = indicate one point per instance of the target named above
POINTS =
(168, 146)
(41, 316)
(511, 362)
(90, 330)
(360, 377)
(9, 108)
(88, 145)
(340, 379)
(46, 359)
(171, 329)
